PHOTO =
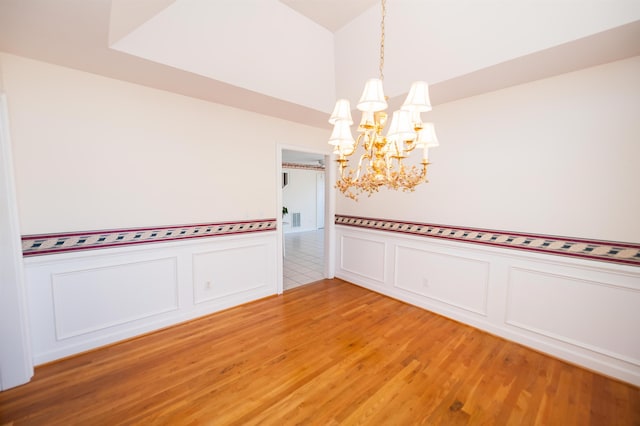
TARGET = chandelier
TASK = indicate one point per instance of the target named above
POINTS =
(382, 162)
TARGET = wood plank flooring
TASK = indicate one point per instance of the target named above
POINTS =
(323, 354)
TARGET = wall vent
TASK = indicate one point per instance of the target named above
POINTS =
(295, 220)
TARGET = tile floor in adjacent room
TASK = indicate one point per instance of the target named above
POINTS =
(304, 258)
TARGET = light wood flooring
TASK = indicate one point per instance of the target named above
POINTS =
(322, 354)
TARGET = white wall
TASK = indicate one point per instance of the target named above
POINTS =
(554, 156)
(96, 153)
(300, 196)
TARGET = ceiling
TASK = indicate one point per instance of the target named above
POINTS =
(331, 14)
(292, 58)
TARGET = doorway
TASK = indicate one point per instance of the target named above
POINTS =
(305, 231)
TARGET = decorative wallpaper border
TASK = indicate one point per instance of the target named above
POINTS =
(35, 245)
(606, 251)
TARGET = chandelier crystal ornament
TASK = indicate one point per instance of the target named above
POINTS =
(382, 162)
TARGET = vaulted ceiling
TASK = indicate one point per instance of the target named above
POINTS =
(292, 58)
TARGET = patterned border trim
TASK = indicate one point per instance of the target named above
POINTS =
(606, 251)
(35, 245)
(319, 168)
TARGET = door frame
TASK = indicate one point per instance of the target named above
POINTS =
(329, 212)
(16, 365)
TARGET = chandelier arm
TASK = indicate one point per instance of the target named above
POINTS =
(354, 147)
(369, 145)
(359, 169)
(362, 137)
(359, 141)
(389, 163)
(342, 177)
(410, 145)
(399, 148)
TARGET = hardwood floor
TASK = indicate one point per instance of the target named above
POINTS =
(325, 353)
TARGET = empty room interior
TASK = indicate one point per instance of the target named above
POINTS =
(388, 212)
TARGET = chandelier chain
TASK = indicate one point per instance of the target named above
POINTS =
(384, 13)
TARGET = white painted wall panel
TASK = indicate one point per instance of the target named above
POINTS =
(90, 300)
(224, 272)
(599, 316)
(363, 256)
(461, 282)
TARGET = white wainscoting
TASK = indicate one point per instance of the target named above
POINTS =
(215, 272)
(585, 312)
(82, 300)
(357, 257)
(90, 300)
(430, 274)
(601, 316)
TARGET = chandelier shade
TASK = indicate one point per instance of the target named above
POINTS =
(427, 137)
(341, 112)
(367, 121)
(372, 98)
(418, 98)
(401, 128)
(381, 162)
(341, 135)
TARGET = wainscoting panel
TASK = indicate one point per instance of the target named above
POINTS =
(84, 299)
(580, 310)
(461, 282)
(598, 316)
(220, 273)
(363, 256)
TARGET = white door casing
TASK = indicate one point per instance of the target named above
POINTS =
(16, 366)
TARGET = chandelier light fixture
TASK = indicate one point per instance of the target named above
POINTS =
(382, 162)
